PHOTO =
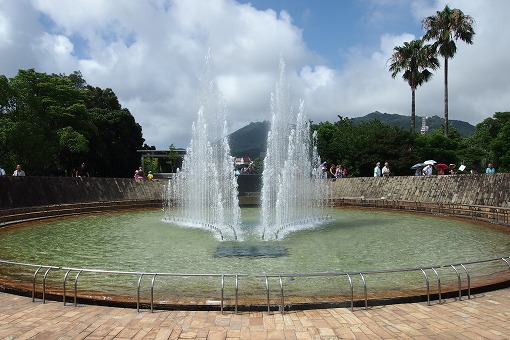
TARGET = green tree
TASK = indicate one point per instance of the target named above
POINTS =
(51, 123)
(437, 146)
(172, 157)
(413, 60)
(445, 27)
(491, 138)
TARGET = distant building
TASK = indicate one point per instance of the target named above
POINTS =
(164, 157)
(241, 160)
(424, 127)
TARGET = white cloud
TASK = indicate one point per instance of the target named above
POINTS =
(151, 54)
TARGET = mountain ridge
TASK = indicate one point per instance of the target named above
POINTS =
(251, 140)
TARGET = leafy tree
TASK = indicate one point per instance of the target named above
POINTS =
(413, 60)
(437, 146)
(490, 138)
(445, 27)
(258, 164)
(359, 147)
(172, 157)
(51, 123)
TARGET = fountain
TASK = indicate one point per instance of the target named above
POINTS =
(203, 193)
(293, 190)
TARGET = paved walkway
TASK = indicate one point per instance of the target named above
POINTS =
(485, 316)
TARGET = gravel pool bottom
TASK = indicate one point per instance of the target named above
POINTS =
(354, 240)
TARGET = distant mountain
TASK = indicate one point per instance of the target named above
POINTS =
(434, 123)
(251, 140)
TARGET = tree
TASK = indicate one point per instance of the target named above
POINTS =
(414, 60)
(445, 28)
(172, 157)
(492, 137)
(51, 123)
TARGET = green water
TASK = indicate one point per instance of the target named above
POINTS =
(355, 240)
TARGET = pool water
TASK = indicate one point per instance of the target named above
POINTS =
(354, 240)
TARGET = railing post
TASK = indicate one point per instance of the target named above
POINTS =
(352, 292)
(44, 285)
(458, 279)
(281, 291)
(365, 289)
(468, 281)
(75, 288)
(428, 285)
(267, 291)
(438, 285)
(33, 283)
(138, 293)
(222, 292)
(64, 288)
(237, 292)
(152, 292)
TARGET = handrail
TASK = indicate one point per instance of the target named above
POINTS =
(266, 276)
(428, 285)
(458, 280)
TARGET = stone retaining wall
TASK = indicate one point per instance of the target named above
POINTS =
(480, 189)
(18, 192)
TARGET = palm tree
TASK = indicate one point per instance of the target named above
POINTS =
(413, 59)
(445, 28)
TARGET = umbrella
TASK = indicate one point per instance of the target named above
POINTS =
(418, 165)
(430, 161)
(441, 166)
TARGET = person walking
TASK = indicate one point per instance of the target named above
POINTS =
(377, 170)
(386, 169)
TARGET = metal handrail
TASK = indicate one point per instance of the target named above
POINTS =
(280, 276)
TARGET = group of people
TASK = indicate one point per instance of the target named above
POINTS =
(334, 171)
(139, 174)
(246, 170)
(385, 171)
(17, 172)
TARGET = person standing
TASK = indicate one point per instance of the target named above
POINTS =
(377, 170)
(332, 170)
(18, 171)
(82, 171)
(339, 172)
(490, 169)
(427, 171)
(386, 169)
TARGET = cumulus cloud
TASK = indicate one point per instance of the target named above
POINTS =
(151, 54)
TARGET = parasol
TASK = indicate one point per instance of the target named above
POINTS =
(430, 161)
(418, 165)
(441, 166)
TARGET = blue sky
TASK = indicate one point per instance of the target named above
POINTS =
(332, 27)
(151, 54)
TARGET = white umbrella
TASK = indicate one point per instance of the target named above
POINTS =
(430, 161)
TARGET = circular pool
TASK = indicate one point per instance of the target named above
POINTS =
(353, 241)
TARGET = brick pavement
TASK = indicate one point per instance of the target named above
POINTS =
(484, 316)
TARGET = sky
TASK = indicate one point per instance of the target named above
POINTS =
(151, 53)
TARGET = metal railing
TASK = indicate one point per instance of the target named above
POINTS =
(498, 215)
(364, 275)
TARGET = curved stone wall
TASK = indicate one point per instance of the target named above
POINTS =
(19, 192)
(480, 189)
